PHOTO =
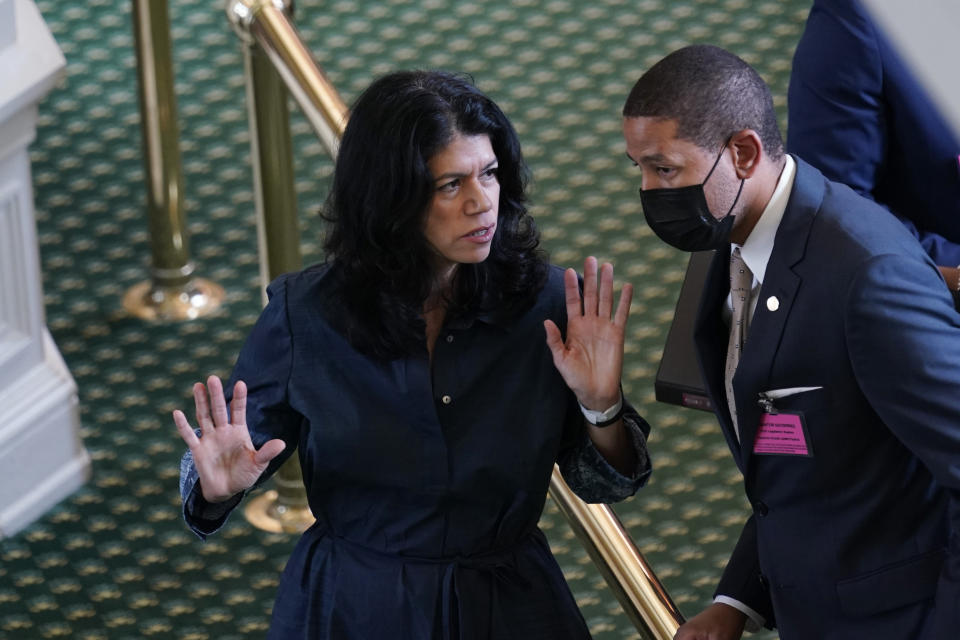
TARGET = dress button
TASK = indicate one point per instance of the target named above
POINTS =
(446, 399)
(760, 508)
(449, 338)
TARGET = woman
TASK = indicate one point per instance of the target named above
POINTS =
(422, 373)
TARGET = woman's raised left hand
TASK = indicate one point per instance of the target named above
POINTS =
(591, 359)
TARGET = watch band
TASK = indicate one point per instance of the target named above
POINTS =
(604, 418)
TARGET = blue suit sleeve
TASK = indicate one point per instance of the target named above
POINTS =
(904, 344)
(840, 120)
(942, 251)
(742, 579)
(835, 107)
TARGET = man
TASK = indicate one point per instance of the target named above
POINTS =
(844, 411)
(857, 113)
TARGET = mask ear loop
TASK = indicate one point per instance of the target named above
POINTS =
(717, 161)
(730, 210)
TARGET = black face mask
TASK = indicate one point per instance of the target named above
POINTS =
(681, 218)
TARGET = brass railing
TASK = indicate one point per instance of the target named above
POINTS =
(641, 594)
(266, 24)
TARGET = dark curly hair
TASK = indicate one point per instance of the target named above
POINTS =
(382, 188)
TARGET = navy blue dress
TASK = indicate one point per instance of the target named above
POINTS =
(427, 482)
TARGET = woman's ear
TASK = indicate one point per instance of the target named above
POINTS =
(748, 151)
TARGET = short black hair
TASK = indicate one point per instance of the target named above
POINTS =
(711, 94)
(382, 188)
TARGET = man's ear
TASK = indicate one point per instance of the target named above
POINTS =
(748, 151)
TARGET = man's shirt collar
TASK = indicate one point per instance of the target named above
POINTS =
(758, 247)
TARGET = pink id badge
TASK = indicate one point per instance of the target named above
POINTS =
(782, 434)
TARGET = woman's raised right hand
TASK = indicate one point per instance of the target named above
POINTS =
(224, 456)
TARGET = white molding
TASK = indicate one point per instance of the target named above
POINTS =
(17, 130)
(41, 455)
(21, 289)
(32, 65)
(8, 32)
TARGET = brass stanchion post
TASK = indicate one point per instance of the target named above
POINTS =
(173, 292)
(285, 508)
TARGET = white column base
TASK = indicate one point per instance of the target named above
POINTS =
(42, 457)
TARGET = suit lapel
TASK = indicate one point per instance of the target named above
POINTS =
(763, 340)
(775, 302)
(781, 283)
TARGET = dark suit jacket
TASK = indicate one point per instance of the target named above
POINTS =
(857, 113)
(852, 542)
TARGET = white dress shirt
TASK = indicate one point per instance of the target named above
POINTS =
(758, 247)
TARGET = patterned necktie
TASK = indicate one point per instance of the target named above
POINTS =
(741, 284)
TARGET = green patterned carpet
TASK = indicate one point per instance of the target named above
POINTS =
(114, 561)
